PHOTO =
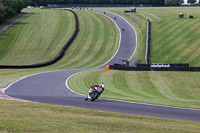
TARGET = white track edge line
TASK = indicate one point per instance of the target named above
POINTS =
(118, 42)
(132, 28)
(66, 83)
(4, 89)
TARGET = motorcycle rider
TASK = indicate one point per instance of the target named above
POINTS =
(99, 88)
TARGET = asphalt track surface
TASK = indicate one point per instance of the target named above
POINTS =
(51, 87)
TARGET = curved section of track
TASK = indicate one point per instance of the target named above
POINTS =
(50, 87)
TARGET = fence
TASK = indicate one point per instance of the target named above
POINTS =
(86, 5)
(155, 67)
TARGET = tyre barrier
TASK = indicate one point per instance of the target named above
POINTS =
(154, 67)
(148, 42)
(56, 58)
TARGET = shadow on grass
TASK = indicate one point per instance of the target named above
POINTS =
(4, 34)
(20, 23)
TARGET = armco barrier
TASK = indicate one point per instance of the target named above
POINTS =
(148, 42)
(156, 67)
(55, 59)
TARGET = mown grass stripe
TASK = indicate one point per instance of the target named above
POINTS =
(169, 43)
(151, 16)
(86, 44)
(162, 45)
(138, 78)
(99, 42)
(147, 79)
(163, 88)
(190, 52)
(181, 51)
(95, 44)
(104, 77)
(37, 40)
(121, 87)
(77, 49)
(130, 81)
(173, 43)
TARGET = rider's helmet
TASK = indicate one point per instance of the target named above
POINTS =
(101, 85)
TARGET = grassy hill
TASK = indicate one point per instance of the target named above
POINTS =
(37, 38)
(173, 88)
(96, 43)
(164, 88)
(23, 117)
(174, 40)
(179, 89)
(41, 36)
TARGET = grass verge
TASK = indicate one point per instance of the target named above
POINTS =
(160, 88)
(30, 117)
(21, 117)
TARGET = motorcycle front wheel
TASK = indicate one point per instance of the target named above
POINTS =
(95, 96)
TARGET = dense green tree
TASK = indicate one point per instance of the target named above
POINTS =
(11, 7)
(173, 2)
(2, 11)
(181, 2)
(46, 2)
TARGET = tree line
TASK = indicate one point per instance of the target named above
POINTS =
(173, 2)
(12, 7)
(100, 2)
(114, 2)
(192, 2)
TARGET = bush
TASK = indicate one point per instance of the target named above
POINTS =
(2, 11)
(11, 7)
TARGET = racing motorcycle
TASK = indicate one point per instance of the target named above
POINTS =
(93, 93)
